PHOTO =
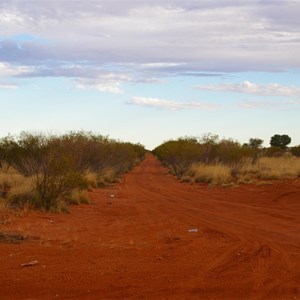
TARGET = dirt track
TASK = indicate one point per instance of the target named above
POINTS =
(137, 244)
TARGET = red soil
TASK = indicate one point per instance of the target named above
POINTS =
(137, 244)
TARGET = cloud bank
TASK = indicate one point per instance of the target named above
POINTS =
(149, 38)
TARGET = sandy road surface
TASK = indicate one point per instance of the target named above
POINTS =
(137, 245)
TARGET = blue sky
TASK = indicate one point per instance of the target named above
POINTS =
(147, 71)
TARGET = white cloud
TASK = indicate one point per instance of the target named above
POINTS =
(8, 70)
(168, 104)
(113, 88)
(105, 82)
(247, 87)
(11, 17)
(110, 88)
(162, 65)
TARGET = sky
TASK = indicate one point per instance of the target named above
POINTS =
(148, 71)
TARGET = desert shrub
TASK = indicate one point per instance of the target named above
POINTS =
(232, 154)
(296, 151)
(57, 165)
(52, 169)
(224, 161)
(274, 151)
(254, 147)
(180, 154)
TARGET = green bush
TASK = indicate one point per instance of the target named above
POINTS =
(180, 154)
(281, 141)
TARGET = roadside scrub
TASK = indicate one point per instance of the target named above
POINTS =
(226, 162)
(49, 172)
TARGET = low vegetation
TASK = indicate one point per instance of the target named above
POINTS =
(226, 162)
(50, 172)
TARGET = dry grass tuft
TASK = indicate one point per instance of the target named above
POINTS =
(279, 168)
(267, 168)
(106, 176)
(9, 178)
(13, 187)
(214, 174)
(92, 180)
(270, 168)
(79, 196)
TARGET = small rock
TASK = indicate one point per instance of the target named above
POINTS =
(193, 230)
(112, 196)
(30, 264)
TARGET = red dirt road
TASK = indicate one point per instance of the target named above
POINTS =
(137, 245)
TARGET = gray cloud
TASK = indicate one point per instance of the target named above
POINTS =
(154, 38)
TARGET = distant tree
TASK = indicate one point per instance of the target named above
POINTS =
(209, 138)
(255, 142)
(281, 141)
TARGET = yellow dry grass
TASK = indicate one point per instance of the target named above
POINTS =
(213, 174)
(278, 167)
(107, 175)
(11, 179)
(267, 168)
(91, 177)
(79, 196)
(11, 183)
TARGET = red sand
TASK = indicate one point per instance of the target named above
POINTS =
(137, 245)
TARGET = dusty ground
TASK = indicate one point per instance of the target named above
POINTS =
(137, 245)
